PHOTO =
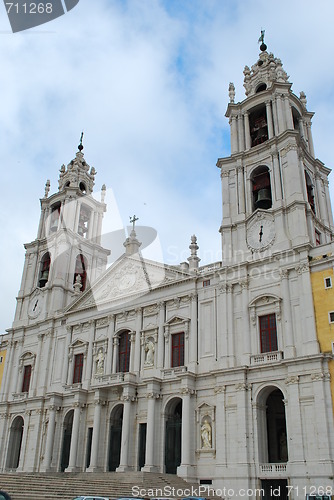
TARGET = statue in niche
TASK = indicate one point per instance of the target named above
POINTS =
(149, 353)
(206, 434)
(100, 362)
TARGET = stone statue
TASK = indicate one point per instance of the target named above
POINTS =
(100, 362)
(206, 434)
(149, 351)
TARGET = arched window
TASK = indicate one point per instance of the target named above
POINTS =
(84, 219)
(258, 125)
(124, 348)
(80, 273)
(261, 87)
(55, 214)
(45, 270)
(310, 192)
(261, 188)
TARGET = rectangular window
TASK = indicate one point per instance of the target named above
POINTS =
(26, 378)
(78, 366)
(1, 359)
(328, 282)
(268, 333)
(331, 316)
(317, 238)
(177, 349)
(206, 283)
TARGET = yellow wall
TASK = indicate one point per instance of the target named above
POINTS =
(2, 365)
(323, 303)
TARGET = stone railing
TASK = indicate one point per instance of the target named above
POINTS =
(273, 470)
(266, 357)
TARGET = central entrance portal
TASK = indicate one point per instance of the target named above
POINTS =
(173, 436)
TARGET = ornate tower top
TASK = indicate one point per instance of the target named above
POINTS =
(78, 173)
(267, 70)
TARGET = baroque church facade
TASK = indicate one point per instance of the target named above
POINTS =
(212, 373)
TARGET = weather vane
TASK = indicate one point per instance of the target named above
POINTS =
(263, 46)
(80, 147)
(133, 221)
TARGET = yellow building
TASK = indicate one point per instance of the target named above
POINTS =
(322, 278)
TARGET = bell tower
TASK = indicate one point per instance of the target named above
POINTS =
(275, 192)
(67, 255)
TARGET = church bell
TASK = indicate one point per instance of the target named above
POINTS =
(263, 198)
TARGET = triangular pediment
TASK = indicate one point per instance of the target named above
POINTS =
(174, 320)
(128, 278)
(78, 343)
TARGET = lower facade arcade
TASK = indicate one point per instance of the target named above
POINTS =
(240, 434)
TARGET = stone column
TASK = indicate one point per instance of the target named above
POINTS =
(280, 116)
(50, 438)
(310, 139)
(186, 469)
(4, 420)
(247, 131)
(289, 348)
(288, 113)
(150, 466)
(241, 189)
(161, 339)
(277, 177)
(321, 425)
(293, 419)
(115, 354)
(241, 133)
(134, 340)
(230, 329)
(111, 331)
(193, 333)
(245, 301)
(35, 372)
(328, 203)
(269, 120)
(66, 374)
(167, 347)
(24, 440)
(322, 201)
(234, 134)
(310, 344)
(137, 344)
(226, 193)
(126, 435)
(72, 465)
(18, 374)
(242, 391)
(93, 466)
(221, 430)
(222, 325)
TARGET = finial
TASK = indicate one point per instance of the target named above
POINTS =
(133, 221)
(80, 147)
(231, 92)
(47, 188)
(263, 46)
(103, 193)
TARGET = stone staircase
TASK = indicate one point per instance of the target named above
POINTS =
(38, 486)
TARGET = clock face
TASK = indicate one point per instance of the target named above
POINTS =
(261, 234)
(35, 306)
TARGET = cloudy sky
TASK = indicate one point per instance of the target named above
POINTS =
(147, 81)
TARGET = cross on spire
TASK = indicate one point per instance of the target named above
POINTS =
(133, 221)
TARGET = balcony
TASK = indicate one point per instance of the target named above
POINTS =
(272, 470)
(266, 357)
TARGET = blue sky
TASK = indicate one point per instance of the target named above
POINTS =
(147, 81)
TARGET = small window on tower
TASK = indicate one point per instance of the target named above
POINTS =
(26, 378)
(317, 238)
(258, 126)
(328, 282)
(45, 270)
(310, 193)
(331, 316)
(261, 188)
(261, 88)
(80, 273)
(84, 219)
(78, 367)
(55, 215)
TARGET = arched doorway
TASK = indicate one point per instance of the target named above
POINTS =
(272, 435)
(116, 421)
(173, 435)
(273, 447)
(65, 454)
(15, 443)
